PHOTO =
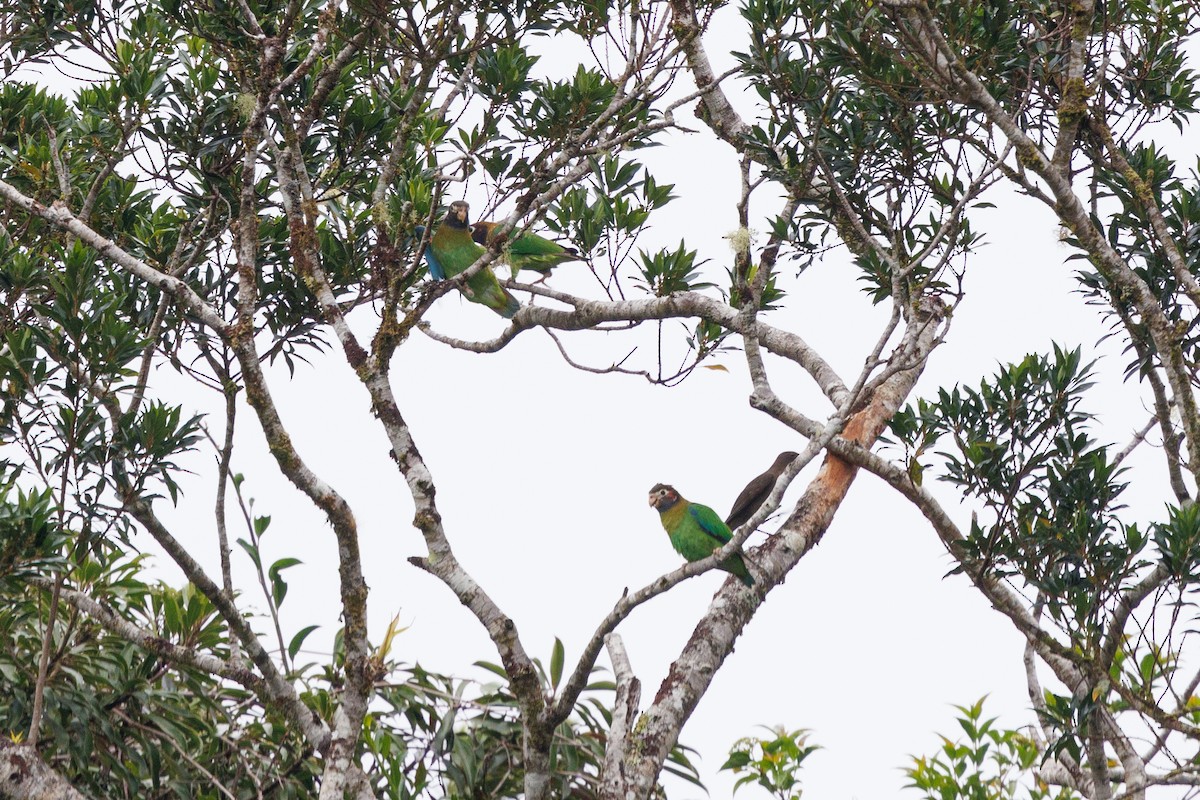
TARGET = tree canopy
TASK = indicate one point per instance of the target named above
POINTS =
(239, 187)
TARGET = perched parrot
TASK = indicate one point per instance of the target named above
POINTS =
(451, 251)
(695, 530)
(435, 267)
(527, 251)
(757, 490)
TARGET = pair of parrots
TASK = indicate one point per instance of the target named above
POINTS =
(696, 531)
(457, 244)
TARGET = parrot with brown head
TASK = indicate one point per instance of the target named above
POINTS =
(453, 251)
(695, 530)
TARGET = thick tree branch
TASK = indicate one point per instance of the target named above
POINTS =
(1128, 601)
(1097, 762)
(718, 112)
(300, 210)
(1143, 195)
(588, 314)
(25, 776)
(1072, 105)
(613, 779)
(733, 607)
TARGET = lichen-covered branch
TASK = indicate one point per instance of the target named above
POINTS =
(300, 211)
(713, 639)
(25, 776)
(625, 705)
(588, 314)
(719, 113)
(58, 214)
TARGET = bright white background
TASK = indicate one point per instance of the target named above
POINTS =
(542, 473)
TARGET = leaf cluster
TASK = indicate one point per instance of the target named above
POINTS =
(991, 763)
(1019, 444)
(772, 763)
(119, 719)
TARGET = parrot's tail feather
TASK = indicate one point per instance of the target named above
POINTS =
(511, 306)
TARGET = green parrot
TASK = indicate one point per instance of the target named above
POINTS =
(527, 251)
(453, 250)
(695, 530)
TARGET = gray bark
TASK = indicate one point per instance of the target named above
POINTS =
(25, 776)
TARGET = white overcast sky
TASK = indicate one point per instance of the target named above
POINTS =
(542, 474)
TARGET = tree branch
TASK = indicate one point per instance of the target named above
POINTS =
(587, 314)
(1075, 217)
(57, 214)
(718, 112)
(24, 776)
(613, 779)
(733, 607)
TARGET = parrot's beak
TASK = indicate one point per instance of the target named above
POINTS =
(652, 500)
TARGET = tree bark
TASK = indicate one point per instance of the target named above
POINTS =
(25, 776)
(657, 730)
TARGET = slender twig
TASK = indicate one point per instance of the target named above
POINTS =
(1137, 439)
(39, 687)
(182, 751)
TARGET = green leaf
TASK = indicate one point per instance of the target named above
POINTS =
(736, 761)
(252, 551)
(490, 667)
(278, 585)
(556, 663)
(298, 640)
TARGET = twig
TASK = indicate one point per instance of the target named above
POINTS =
(39, 688)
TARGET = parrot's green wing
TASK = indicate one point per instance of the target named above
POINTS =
(710, 522)
(538, 253)
(528, 251)
(455, 251)
(486, 289)
(530, 244)
(714, 527)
